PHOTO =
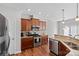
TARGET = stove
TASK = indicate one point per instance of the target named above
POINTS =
(37, 40)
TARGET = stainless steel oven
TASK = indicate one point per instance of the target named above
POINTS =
(37, 41)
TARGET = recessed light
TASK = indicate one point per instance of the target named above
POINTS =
(77, 19)
(39, 13)
(28, 9)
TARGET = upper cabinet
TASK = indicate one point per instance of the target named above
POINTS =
(35, 21)
(42, 25)
(30, 24)
(25, 25)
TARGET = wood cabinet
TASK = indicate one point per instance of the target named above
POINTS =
(44, 39)
(25, 25)
(42, 25)
(26, 42)
(62, 49)
(35, 21)
(29, 25)
(45, 25)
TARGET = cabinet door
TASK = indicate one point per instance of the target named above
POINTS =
(35, 22)
(28, 26)
(45, 39)
(41, 25)
(26, 43)
(62, 49)
(45, 25)
(23, 25)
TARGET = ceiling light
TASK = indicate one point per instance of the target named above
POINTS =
(63, 22)
(63, 16)
(28, 9)
(77, 18)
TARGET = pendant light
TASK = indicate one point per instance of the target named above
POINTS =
(63, 16)
(77, 17)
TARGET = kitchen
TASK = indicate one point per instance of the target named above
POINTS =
(30, 33)
(37, 29)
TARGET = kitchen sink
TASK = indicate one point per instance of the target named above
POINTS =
(72, 45)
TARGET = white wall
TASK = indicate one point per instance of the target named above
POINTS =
(51, 28)
(60, 26)
(17, 38)
(13, 18)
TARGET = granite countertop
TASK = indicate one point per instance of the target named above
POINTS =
(27, 37)
(67, 39)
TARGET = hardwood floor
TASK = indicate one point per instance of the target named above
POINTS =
(42, 50)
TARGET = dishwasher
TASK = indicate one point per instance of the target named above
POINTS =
(4, 36)
(53, 46)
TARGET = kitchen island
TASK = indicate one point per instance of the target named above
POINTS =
(66, 39)
(71, 43)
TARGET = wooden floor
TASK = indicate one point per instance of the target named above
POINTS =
(42, 50)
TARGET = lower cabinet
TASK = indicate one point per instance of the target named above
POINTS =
(63, 50)
(44, 39)
(26, 43)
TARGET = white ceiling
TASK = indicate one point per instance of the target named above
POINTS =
(50, 11)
